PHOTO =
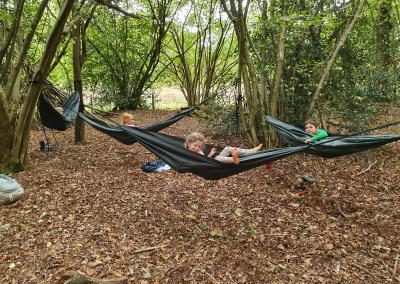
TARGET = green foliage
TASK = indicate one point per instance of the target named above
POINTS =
(116, 47)
(201, 47)
(358, 83)
(223, 114)
(358, 99)
(124, 53)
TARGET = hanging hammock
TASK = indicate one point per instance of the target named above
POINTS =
(53, 119)
(332, 146)
(172, 151)
(119, 134)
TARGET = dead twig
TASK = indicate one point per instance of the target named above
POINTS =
(79, 278)
(212, 278)
(339, 209)
(289, 257)
(366, 170)
(364, 269)
(396, 264)
(150, 248)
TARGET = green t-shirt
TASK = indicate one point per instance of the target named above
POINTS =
(319, 135)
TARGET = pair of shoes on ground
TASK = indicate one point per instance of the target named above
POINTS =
(155, 166)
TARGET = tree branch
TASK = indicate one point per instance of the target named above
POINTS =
(110, 5)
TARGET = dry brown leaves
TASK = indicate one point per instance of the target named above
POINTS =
(90, 209)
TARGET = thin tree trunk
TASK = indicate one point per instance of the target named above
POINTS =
(331, 61)
(384, 30)
(274, 97)
(14, 28)
(27, 43)
(77, 66)
(280, 62)
(238, 16)
(23, 126)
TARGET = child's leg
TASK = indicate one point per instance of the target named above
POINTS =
(250, 151)
(223, 159)
(235, 156)
(224, 156)
(226, 152)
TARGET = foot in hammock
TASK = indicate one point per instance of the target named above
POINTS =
(235, 156)
(256, 149)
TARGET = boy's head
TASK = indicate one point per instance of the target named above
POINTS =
(312, 126)
(127, 118)
(60, 110)
(195, 142)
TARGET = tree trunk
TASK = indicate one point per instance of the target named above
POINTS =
(238, 16)
(384, 30)
(17, 121)
(202, 75)
(77, 66)
(274, 98)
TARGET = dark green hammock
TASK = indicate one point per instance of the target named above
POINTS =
(332, 146)
(122, 136)
(52, 119)
(172, 151)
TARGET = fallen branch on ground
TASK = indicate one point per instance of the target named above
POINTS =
(150, 248)
(366, 170)
(79, 278)
(365, 270)
(396, 263)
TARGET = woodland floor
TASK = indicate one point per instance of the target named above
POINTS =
(90, 208)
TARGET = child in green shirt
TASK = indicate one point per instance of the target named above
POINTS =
(315, 132)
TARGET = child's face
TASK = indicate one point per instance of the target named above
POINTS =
(127, 120)
(311, 129)
(196, 146)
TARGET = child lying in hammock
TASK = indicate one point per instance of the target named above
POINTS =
(315, 132)
(60, 110)
(196, 142)
(127, 119)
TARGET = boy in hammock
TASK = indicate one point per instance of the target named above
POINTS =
(127, 119)
(196, 142)
(315, 132)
